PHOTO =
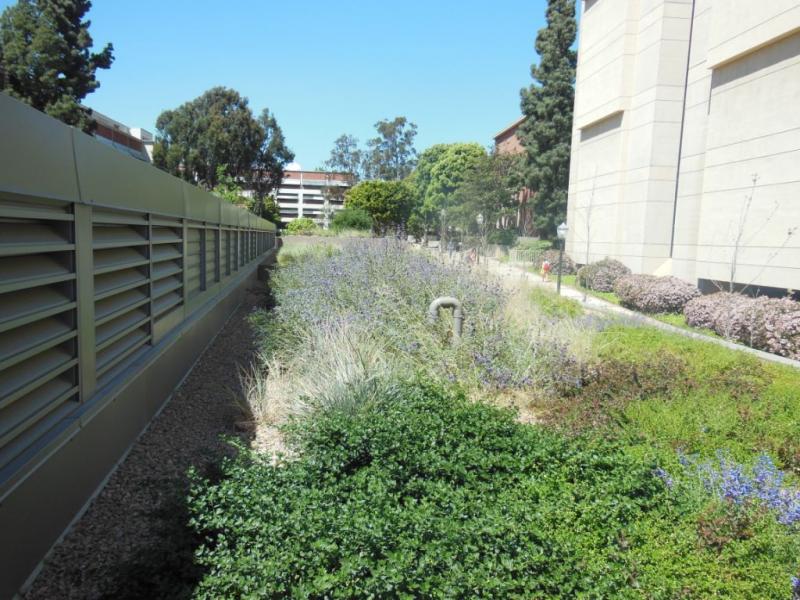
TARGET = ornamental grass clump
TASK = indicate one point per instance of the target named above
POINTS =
(653, 294)
(382, 287)
(602, 275)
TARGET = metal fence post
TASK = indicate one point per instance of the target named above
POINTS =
(84, 295)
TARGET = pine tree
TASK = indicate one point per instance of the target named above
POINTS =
(548, 106)
(45, 57)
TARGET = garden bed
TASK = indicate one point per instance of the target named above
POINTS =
(658, 466)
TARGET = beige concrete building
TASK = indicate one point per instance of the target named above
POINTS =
(316, 195)
(686, 141)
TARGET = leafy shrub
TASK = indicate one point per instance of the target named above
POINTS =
(568, 265)
(652, 294)
(424, 494)
(602, 275)
(770, 324)
(502, 237)
(301, 226)
(529, 244)
(351, 218)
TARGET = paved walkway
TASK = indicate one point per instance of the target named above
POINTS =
(516, 271)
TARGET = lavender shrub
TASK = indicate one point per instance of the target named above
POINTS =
(763, 485)
(383, 287)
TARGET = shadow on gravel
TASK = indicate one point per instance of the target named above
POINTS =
(134, 541)
(165, 568)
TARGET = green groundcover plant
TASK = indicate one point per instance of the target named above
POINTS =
(423, 494)
(420, 493)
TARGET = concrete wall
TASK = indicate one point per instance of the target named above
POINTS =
(678, 105)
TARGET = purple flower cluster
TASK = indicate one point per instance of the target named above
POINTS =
(795, 588)
(379, 282)
(664, 476)
(764, 484)
(494, 374)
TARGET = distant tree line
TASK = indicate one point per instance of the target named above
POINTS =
(449, 185)
(215, 141)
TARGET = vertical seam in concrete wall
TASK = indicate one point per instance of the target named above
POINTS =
(683, 125)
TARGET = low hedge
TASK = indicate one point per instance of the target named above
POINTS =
(653, 294)
(301, 226)
(552, 256)
(602, 275)
(425, 494)
(769, 324)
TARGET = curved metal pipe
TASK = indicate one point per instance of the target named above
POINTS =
(458, 313)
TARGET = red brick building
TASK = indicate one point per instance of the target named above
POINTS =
(507, 141)
(135, 141)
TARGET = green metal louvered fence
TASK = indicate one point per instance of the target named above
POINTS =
(106, 263)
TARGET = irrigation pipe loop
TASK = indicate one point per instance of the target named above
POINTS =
(458, 314)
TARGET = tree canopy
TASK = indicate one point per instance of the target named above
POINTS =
(346, 157)
(218, 128)
(548, 104)
(488, 188)
(391, 155)
(389, 203)
(230, 189)
(441, 169)
(46, 58)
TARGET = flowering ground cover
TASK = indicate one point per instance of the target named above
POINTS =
(655, 467)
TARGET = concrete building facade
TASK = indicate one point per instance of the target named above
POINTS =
(135, 141)
(311, 194)
(686, 141)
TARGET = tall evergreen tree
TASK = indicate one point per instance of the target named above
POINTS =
(46, 59)
(548, 105)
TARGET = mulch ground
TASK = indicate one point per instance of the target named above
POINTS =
(133, 541)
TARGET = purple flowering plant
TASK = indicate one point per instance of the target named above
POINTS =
(762, 485)
(385, 287)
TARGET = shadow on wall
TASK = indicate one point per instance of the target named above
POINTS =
(754, 62)
(610, 123)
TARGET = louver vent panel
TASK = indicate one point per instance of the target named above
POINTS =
(121, 286)
(211, 256)
(167, 270)
(225, 254)
(193, 261)
(38, 357)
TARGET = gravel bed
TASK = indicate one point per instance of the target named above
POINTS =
(133, 541)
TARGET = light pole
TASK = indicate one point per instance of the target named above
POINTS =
(479, 221)
(562, 235)
(443, 232)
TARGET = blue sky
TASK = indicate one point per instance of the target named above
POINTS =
(454, 67)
